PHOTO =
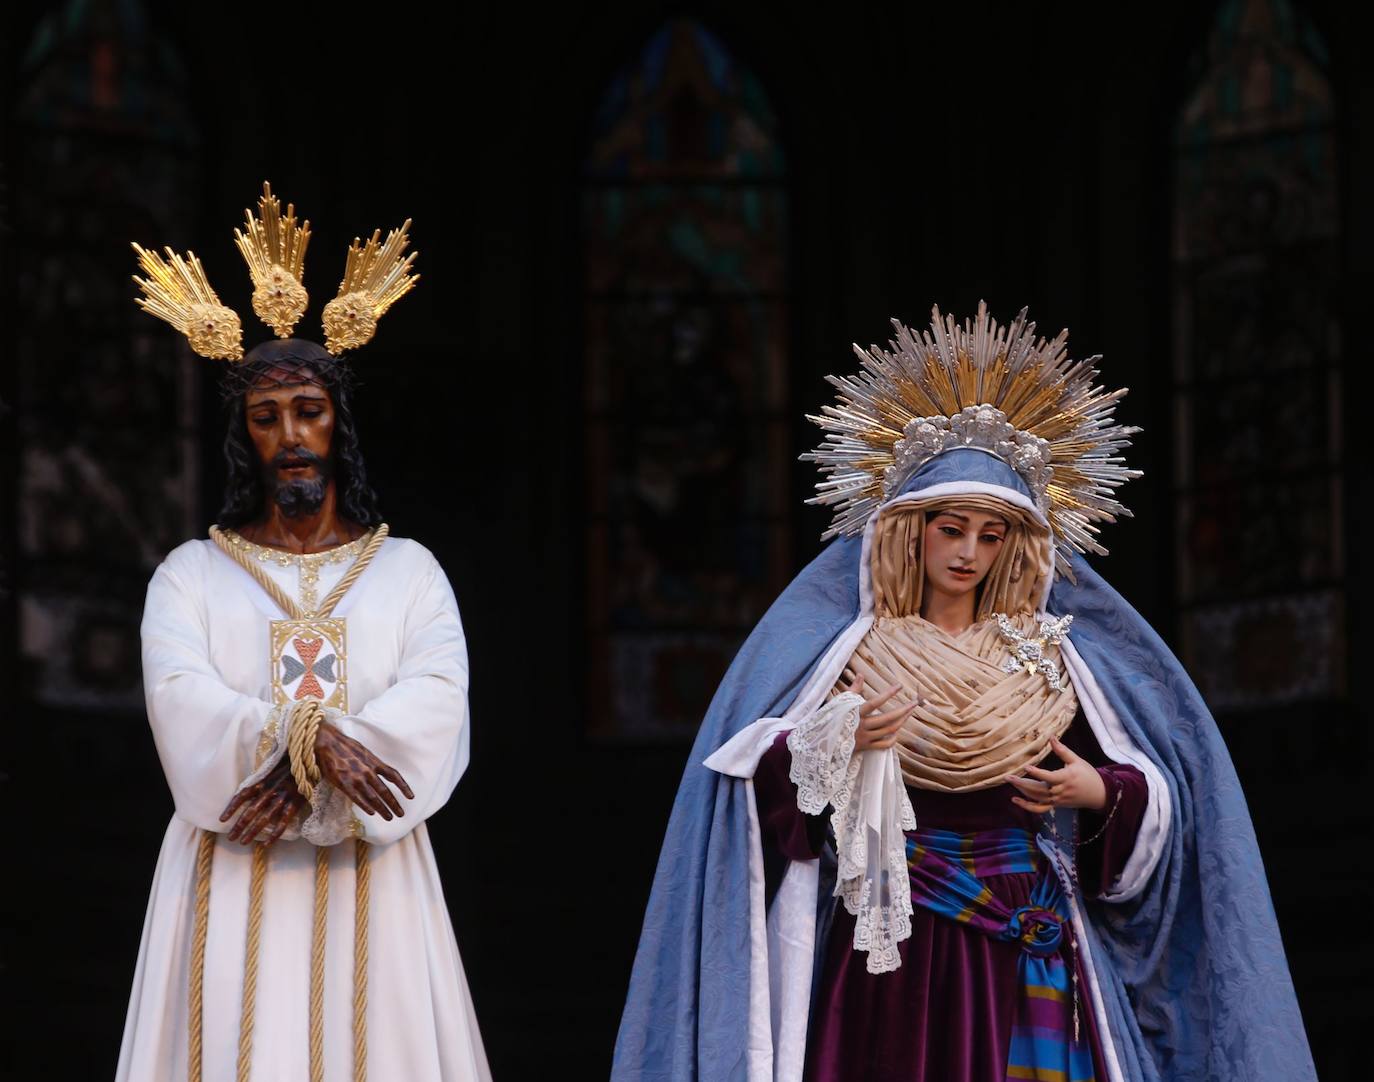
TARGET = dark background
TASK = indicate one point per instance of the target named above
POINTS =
(935, 153)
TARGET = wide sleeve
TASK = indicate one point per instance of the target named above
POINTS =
(1109, 836)
(419, 724)
(206, 733)
(784, 826)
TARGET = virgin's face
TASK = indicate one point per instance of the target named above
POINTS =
(959, 547)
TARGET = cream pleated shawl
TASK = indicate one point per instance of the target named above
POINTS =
(972, 725)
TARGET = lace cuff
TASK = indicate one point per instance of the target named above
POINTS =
(871, 812)
(271, 746)
(331, 819)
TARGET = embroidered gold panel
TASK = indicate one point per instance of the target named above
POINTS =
(309, 660)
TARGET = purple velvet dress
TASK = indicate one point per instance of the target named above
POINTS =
(946, 1014)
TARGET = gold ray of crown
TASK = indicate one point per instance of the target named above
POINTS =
(273, 246)
(375, 278)
(274, 249)
(1000, 390)
(177, 291)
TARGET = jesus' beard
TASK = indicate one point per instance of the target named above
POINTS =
(300, 495)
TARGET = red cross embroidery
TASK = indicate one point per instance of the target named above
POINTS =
(309, 650)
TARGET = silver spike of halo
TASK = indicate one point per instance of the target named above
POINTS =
(1000, 389)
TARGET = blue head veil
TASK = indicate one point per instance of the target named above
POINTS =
(1192, 970)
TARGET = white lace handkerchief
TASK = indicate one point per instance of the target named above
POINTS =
(871, 812)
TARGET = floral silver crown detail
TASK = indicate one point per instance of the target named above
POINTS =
(983, 427)
(998, 389)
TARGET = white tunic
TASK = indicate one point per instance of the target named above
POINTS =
(206, 676)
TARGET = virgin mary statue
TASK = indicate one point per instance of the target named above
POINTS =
(956, 813)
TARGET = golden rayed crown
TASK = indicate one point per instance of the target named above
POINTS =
(999, 390)
(376, 275)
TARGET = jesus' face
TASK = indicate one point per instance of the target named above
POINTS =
(959, 547)
(291, 425)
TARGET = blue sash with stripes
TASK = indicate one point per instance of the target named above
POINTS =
(945, 868)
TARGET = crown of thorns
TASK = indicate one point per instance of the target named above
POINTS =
(289, 363)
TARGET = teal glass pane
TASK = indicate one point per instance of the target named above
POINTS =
(684, 108)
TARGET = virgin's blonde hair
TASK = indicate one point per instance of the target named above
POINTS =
(1014, 584)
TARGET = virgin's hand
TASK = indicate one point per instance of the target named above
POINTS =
(1077, 784)
(268, 807)
(359, 774)
(878, 729)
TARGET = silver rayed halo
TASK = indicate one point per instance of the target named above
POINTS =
(998, 389)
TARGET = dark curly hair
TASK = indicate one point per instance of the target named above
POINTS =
(243, 487)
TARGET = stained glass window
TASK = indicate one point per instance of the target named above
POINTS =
(1257, 364)
(685, 226)
(108, 447)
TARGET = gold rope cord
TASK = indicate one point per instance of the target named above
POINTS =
(284, 601)
(205, 853)
(256, 883)
(317, 964)
(355, 569)
(362, 892)
(302, 727)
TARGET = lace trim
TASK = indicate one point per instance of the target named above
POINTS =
(871, 812)
(822, 746)
(331, 819)
(271, 746)
(282, 558)
(307, 564)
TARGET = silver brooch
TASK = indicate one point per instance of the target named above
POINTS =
(1029, 653)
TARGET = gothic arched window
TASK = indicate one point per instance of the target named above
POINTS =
(685, 224)
(107, 441)
(1257, 363)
